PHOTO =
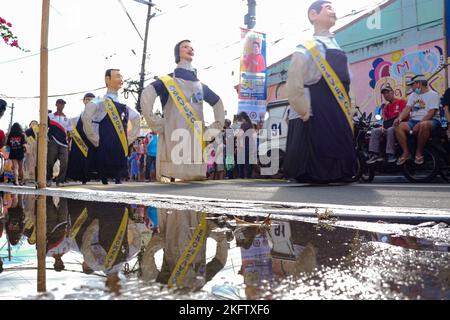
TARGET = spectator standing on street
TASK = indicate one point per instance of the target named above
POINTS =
(58, 143)
(134, 165)
(245, 147)
(16, 143)
(152, 150)
(141, 161)
(29, 164)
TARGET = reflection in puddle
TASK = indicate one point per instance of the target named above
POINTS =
(102, 250)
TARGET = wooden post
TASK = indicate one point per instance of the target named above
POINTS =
(41, 243)
(43, 125)
(41, 220)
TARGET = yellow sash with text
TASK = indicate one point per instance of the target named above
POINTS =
(185, 108)
(117, 123)
(189, 254)
(79, 141)
(117, 243)
(78, 224)
(332, 80)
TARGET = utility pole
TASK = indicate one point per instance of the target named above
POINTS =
(144, 53)
(250, 17)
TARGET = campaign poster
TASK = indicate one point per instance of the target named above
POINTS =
(253, 75)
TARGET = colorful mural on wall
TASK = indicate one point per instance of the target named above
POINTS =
(369, 75)
(396, 69)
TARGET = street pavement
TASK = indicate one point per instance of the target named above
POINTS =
(392, 194)
(386, 192)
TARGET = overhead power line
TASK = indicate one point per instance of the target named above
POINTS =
(131, 20)
(53, 49)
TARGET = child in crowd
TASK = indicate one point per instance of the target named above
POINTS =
(134, 166)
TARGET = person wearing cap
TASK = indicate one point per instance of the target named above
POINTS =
(81, 149)
(421, 110)
(58, 143)
(323, 140)
(105, 123)
(183, 118)
(391, 110)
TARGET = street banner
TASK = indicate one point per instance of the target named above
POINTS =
(253, 75)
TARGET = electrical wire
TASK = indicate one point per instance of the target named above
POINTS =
(63, 94)
(131, 20)
(53, 49)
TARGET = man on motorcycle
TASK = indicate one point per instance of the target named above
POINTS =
(421, 110)
(391, 111)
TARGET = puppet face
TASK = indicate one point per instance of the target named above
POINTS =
(115, 82)
(87, 100)
(326, 18)
(186, 51)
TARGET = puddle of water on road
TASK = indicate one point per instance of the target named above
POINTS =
(120, 251)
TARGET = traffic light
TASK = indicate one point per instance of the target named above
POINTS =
(250, 17)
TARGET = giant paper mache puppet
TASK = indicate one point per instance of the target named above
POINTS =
(181, 129)
(323, 141)
(105, 123)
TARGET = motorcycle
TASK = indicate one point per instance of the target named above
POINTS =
(436, 155)
(362, 126)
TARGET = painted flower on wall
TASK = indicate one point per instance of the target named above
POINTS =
(7, 36)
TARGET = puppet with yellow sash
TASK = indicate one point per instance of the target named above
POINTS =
(183, 236)
(320, 140)
(80, 157)
(106, 125)
(182, 129)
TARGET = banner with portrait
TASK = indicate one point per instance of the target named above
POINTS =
(253, 75)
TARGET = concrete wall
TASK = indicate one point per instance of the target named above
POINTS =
(396, 68)
(403, 24)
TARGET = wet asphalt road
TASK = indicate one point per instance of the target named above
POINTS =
(391, 192)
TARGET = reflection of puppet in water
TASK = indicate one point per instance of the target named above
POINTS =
(110, 240)
(254, 62)
(183, 238)
(29, 205)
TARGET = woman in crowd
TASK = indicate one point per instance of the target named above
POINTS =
(16, 143)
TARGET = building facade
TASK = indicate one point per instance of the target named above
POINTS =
(390, 44)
